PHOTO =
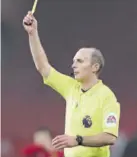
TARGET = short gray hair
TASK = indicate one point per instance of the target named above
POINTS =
(97, 57)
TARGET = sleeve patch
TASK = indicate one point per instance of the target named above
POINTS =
(111, 120)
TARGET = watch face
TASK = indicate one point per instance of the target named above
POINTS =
(79, 139)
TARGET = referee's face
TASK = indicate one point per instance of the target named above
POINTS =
(82, 67)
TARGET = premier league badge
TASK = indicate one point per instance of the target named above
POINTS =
(87, 121)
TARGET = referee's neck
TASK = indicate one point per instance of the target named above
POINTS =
(88, 84)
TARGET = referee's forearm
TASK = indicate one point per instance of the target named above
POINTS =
(38, 54)
(99, 140)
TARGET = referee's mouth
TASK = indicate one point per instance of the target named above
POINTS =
(76, 73)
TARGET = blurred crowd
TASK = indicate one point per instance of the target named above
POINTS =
(41, 146)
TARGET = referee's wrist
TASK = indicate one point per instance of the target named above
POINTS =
(79, 140)
(34, 33)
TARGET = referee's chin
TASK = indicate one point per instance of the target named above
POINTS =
(75, 77)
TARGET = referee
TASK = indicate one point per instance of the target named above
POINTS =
(92, 110)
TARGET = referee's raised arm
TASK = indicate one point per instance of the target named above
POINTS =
(51, 77)
(37, 51)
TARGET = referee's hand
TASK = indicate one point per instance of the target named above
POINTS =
(30, 23)
(64, 141)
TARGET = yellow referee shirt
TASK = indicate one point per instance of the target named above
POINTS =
(88, 113)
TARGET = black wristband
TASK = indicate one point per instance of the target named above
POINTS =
(79, 139)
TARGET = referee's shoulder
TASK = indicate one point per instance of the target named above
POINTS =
(107, 91)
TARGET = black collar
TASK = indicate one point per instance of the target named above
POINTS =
(84, 90)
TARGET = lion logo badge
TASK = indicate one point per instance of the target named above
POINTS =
(87, 122)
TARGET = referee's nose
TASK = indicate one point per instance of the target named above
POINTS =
(74, 65)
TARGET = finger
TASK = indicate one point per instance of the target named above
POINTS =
(56, 141)
(30, 13)
(60, 145)
(29, 17)
(59, 138)
(27, 21)
(56, 138)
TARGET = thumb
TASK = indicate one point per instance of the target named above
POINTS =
(30, 13)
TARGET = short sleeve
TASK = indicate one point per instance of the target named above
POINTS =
(59, 82)
(111, 115)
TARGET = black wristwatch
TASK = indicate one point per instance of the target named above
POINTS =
(79, 139)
